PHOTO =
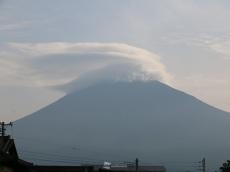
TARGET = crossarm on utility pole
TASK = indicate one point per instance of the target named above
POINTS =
(3, 128)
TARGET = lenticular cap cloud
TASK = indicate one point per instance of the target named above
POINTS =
(60, 64)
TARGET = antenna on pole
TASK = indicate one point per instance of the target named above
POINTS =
(3, 126)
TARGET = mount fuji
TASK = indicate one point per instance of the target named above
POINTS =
(120, 121)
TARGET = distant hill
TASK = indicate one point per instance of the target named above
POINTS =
(121, 121)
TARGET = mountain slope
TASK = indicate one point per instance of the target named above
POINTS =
(120, 121)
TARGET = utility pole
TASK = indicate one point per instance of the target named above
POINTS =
(203, 165)
(137, 163)
(3, 126)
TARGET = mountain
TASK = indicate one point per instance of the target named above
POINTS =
(123, 120)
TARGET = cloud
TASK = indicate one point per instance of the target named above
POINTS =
(222, 47)
(14, 26)
(73, 65)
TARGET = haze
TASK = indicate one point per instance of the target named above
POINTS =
(49, 47)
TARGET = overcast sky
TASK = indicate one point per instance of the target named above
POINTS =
(46, 45)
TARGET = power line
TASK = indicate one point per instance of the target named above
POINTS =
(57, 155)
(54, 161)
(70, 158)
(65, 158)
(66, 146)
(80, 159)
(61, 159)
(84, 158)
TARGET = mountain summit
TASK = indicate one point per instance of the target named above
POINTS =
(124, 120)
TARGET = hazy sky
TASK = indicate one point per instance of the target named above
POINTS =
(48, 45)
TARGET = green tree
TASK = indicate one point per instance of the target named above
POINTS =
(225, 167)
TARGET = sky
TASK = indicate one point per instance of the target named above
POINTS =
(50, 47)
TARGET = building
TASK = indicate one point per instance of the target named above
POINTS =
(9, 160)
(134, 169)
